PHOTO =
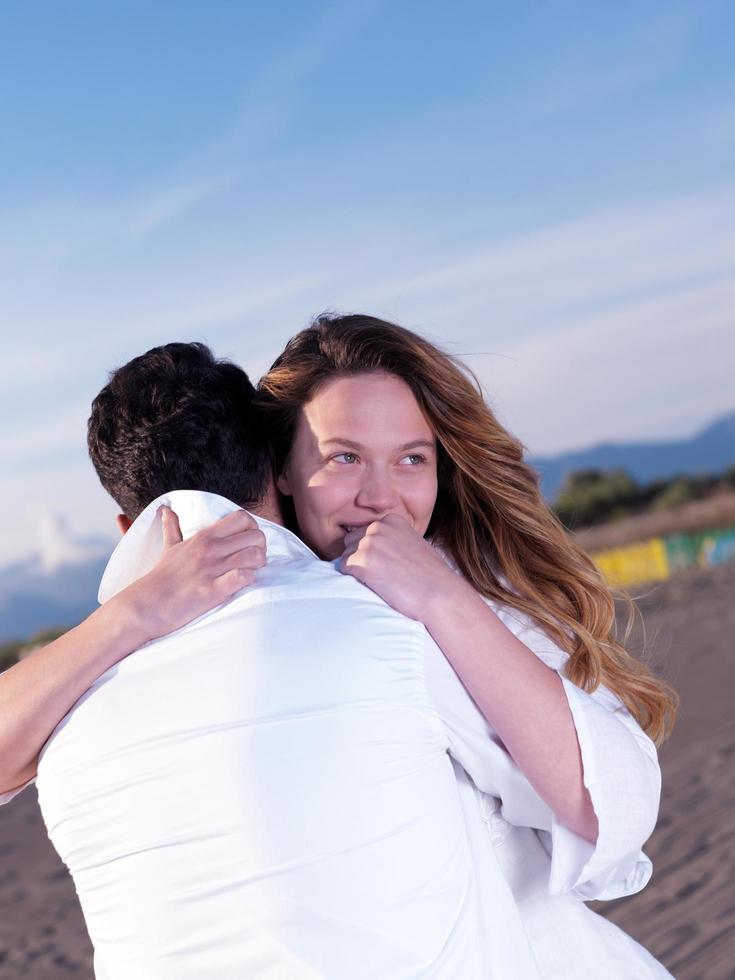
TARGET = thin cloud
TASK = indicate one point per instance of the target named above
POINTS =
(281, 77)
(74, 491)
(54, 433)
(167, 204)
(269, 102)
(650, 368)
(534, 282)
(642, 57)
(572, 311)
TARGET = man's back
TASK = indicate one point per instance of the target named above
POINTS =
(267, 793)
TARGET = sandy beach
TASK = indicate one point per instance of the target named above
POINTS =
(686, 916)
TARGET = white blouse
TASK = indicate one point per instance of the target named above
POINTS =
(551, 870)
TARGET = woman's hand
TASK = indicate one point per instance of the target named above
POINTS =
(394, 560)
(190, 578)
(521, 698)
(195, 575)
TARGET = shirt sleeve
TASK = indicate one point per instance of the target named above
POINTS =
(620, 770)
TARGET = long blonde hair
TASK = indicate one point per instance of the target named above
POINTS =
(489, 515)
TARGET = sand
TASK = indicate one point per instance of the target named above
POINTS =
(685, 917)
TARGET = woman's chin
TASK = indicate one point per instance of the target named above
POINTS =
(326, 550)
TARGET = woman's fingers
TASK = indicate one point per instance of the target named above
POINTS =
(234, 580)
(247, 558)
(170, 527)
(238, 541)
(353, 537)
(347, 553)
(351, 565)
(234, 523)
(239, 571)
(219, 545)
(200, 573)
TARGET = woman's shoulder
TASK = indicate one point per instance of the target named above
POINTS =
(532, 634)
(521, 624)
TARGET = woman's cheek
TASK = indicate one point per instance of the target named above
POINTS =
(425, 504)
(320, 519)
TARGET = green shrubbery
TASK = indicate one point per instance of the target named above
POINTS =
(590, 497)
(12, 650)
(9, 653)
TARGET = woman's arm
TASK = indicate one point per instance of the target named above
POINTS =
(522, 698)
(620, 771)
(191, 578)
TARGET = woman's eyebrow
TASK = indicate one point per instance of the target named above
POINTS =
(342, 442)
(416, 444)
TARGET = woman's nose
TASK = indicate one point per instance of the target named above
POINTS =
(376, 492)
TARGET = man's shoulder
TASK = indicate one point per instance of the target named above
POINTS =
(291, 579)
(318, 589)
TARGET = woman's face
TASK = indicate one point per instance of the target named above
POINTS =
(363, 449)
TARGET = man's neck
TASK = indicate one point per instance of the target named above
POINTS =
(272, 514)
(269, 508)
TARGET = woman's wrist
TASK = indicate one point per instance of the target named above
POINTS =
(452, 599)
(127, 620)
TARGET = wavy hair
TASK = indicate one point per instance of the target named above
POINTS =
(489, 514)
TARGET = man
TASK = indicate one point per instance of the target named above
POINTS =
(268, 791)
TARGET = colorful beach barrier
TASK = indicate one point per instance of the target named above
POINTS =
(657, 559)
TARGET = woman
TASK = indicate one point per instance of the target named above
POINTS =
(383, 445)
(431, 460)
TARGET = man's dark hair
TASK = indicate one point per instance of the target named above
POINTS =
(176, 418)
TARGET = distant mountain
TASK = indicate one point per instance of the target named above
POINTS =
(711, 451)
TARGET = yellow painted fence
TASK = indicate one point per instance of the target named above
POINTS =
(657, 559)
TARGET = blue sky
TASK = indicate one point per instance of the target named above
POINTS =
(546, 188)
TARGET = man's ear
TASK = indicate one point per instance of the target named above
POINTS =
(284, 484)
(123, 523)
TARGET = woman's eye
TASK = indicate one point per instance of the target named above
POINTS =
(414, 459)
(345, 458)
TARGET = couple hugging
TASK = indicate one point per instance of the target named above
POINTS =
(352, 706)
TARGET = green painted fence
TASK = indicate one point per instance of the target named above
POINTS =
(657, 559)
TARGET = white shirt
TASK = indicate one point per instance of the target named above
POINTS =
(268, 793)
(549, 869)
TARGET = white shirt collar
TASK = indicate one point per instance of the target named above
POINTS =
(139, 549)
